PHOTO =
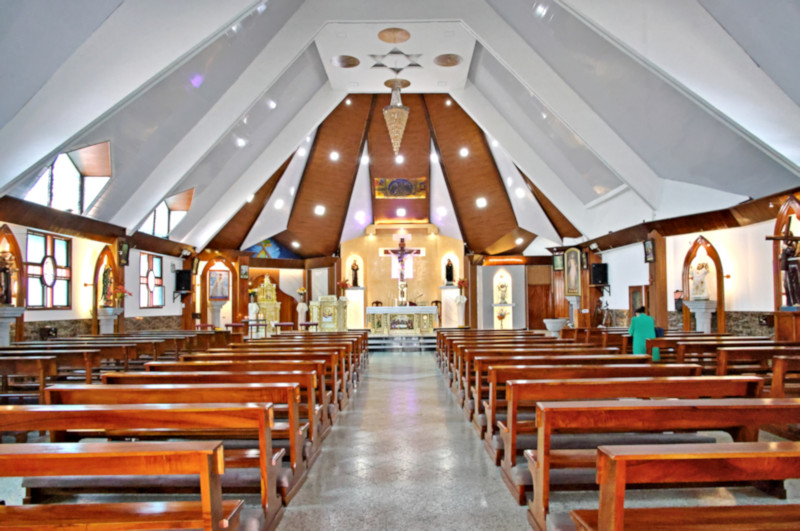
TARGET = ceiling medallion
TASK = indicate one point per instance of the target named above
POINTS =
(448, 59)
(396, 60)
(345, 61)
(396, 114)
(394, 35)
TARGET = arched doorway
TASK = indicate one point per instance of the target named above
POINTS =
(9, 244)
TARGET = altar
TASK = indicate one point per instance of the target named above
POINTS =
(401, 320)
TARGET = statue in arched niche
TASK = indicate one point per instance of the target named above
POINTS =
(699, 284)
(791, 273)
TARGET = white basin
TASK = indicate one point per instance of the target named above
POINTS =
(554, 326)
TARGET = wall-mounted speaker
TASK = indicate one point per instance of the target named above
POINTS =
(183, 280)
(599, 274)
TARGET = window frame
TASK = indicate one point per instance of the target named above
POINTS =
(158, 281)
(50, 170)
(62, 272)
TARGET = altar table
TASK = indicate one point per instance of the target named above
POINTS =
(401, 320)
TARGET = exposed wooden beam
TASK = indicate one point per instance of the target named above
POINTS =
(20, 212)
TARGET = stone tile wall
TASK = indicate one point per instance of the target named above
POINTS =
(77, 327)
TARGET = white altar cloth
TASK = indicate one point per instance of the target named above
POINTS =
(401, 320)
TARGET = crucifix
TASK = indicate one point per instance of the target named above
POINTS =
(401, 253)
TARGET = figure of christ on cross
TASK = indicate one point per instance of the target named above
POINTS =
(401, 253)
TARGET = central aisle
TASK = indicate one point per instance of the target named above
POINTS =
(403, 456)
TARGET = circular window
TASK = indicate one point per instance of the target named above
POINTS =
(151, 281)
(49, 271)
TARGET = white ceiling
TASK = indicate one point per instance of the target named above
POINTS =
(619, 111)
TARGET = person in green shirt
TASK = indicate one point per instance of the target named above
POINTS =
(643, 328)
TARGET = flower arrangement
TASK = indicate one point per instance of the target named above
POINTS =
(343, 285)
(301, 292)
(120, 293)
(502, 314)
(462, 284)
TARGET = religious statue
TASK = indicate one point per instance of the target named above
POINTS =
(699, 286)
(448, 272)
(354, 269)
(7, 269)
(791, 273)
(108, 287)
(503, 289)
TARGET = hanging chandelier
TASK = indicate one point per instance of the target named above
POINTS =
(396, 114)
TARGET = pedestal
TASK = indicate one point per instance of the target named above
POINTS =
(8, 314)
(216, 306)
(106, 317)
(461, 306)
(302, 313)
(449, 306)
(574, 308)
(702, 311)
(355, 307)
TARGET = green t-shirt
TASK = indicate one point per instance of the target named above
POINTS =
(643, 328)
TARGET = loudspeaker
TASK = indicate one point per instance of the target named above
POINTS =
(183, 280)
(599, 274)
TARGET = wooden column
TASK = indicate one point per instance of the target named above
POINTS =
(471, 313)
(187, 323)
(658, 281)
(240, 312)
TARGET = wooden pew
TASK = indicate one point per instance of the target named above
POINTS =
(465, 363)
(325, 396)
(40, 368)
(750, 359)
(277, 394)
(168, 420)
(334, 365)
(204, 459)
(784, 376)
(499, 375)
(526, 393)
(619, 466)
(67, 360)
(705, 349)
(306, 379)
(741, 417)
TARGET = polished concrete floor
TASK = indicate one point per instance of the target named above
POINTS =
(402, 456)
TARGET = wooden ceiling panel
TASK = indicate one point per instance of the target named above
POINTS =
(232, 235)
(559, 221)
(327, 182)
(470, 177)
(181, 201)
(93, 161)
(415, 148)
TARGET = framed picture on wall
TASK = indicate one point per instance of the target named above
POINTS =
(124, 250)
(219, 285)
(558, 262)
(572, 272)
(649, 251)
(195, 265)
(244, 271)
(584, 260)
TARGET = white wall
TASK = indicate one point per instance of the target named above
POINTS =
(519, 296)
(626, 267)
(746, 256)
(319, 283)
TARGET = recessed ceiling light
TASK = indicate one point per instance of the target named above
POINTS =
(544, 115)
(441, 211)
(495, 143)
(261, 8)
(334, 155)
(291, 191)
(244, 120)
(301, 152)
(250, 197)
(520, 192)
(448, 102)
(319, 210)
(347, 101)
(364, 159)
(401, 212)
(464, 152)
(509, 181)
(399, 159)
(279, 204)
(519, 241)
(540, 10)
(271, 104)
(434, 158)
(480, 202)
(241, 142)
(236, 27)
(361, 216)
(308, 139)
(295, 244)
